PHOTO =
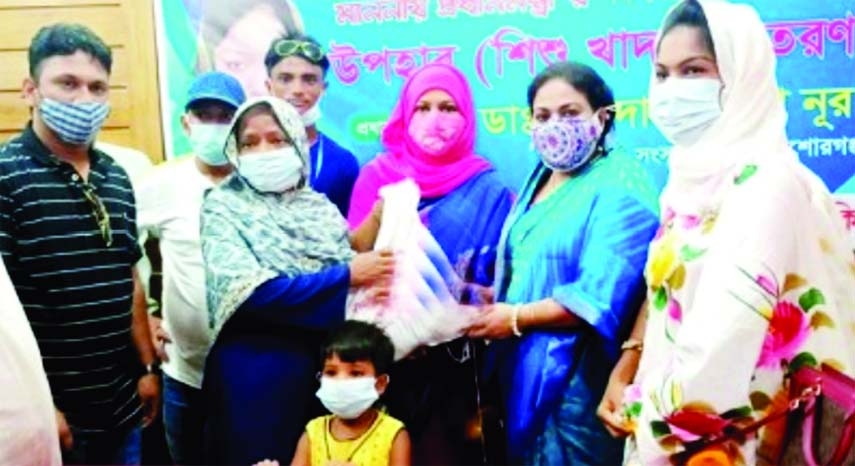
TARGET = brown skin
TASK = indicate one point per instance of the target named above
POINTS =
(301, 83)
(556, 98)
(148, 385)
(436, 99)
(609, 410)
(79, 77)
(348, 429)
(681, 54)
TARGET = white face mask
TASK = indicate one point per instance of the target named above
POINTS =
(274, 171)
(683, 109)
(208, 142)
(348, 398)
(312, 115)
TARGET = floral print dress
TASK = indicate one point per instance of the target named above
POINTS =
(739, 296)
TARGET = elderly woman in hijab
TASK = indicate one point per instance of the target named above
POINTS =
(279, 265)
(749, 277)
(430, 138)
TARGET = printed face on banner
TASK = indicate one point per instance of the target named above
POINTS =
(244, 45)
(298, 81)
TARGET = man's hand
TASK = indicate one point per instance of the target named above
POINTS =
(66, 440)
(159, 337)
(149, 391)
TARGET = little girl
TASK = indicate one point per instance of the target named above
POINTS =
(357, 358)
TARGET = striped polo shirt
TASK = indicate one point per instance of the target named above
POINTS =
(76, 291)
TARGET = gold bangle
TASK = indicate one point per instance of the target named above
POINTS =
(632, 344)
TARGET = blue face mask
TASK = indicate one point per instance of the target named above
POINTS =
(74, 123)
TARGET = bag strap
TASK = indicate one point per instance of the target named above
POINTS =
(840, 389)
(729, 432)
(808, 383)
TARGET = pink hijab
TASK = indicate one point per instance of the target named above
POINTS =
(435, 175)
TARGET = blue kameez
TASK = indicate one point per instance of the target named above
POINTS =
(260, 379)
(584, 246)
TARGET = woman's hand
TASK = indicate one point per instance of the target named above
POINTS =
(363, 237)
(493, 322)
(610, 410)
(372, 269)
(478, 294)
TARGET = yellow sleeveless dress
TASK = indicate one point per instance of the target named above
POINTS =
(372, 448)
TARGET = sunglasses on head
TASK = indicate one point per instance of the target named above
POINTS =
(288, 47)
(102, 217)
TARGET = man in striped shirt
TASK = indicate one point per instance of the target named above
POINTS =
(68, 237)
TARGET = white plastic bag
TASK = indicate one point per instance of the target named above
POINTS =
(421, 309)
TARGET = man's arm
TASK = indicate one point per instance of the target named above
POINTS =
(149, 384)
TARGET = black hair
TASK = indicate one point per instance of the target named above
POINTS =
(273, 58)
(196, 105)
(67, 39)
(584, 79)
(220, 15)
(360, 341)
(690, 13)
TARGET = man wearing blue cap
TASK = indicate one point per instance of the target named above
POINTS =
(170, 202)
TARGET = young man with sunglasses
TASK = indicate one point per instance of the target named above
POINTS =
(170, 202)
(297, 68)
(68, 237)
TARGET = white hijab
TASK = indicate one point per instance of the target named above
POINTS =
(760, 245)
(752, 125)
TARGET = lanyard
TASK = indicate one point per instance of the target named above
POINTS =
(319, 163)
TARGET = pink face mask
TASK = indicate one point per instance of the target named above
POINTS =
(435, 131)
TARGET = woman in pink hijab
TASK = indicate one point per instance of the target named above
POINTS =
(430, 137)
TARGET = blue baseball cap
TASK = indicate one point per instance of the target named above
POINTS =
(216, 85)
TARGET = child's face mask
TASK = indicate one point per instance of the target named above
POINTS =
(348, 398)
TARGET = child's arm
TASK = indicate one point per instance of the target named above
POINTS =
(400, 454)
(301, 456)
